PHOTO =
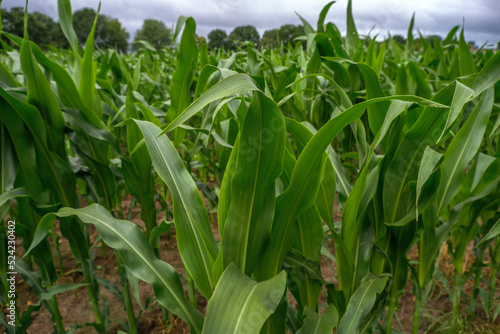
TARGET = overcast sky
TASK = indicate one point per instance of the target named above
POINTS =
(482, 17)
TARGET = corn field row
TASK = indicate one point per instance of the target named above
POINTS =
(403, 140)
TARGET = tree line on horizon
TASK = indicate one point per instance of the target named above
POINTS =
(110, 33)
(46, 32)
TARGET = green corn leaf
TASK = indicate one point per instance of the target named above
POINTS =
(462, 149)
(403, 168)
(241, 305)
(234, 84)
(488, 76)
(409, 37)
(352, 38)
(420, 79)
(402, 80)
(88, 72)
(195, 240)
(376, 112)
(430, 159)
(322, 16)
(259, 163)
(467, 64)
(40, 95)
(308, 29)
(6, 77)
(457, 104)
(492, 233)
(361, 303)
(451, 35)
(66, 22)
(304, 184)
(138, 256)
(483, 163)
(180, 88)
(11, 194)
(320, 324)
(44, 164)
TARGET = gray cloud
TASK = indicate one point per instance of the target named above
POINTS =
(431, 16)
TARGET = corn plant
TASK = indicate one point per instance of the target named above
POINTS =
(404, 138)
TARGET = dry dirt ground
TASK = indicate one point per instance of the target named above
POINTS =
(76, 309)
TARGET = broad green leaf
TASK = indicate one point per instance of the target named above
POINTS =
(88, 72)
(467, 64)
(59, 288)
(139, 258)
(180, 87)
(420, 79)
(6, 77)
(66, 21)
(451, 36)
(403, 168)
(488, 76)
(308, 29)
(376, 112)
(430, 159)
(241, 305)
(11, 194)
(402, 80)
(351, 39)
(409, 35)
(304, 185)
(483, 162)
(308, 240)
(320, 324)
(234, 84)
(322, 16)
(178, 26)
(37, 162)
(492, 233)
(462, 149)
(456, 107)
(261, 147)
(41, 96)
(326, 194)
(361, 302)
(195, 240)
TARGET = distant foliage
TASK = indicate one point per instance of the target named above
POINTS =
(109, 31)
(154, 32)
(287, 33)
(42, 29)
(246, 33)
(270, 39)
(217, 38)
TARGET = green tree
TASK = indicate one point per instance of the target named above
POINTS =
(154, 32)
(288, 33)
(12, 21)
(217, 38)
(399, 38)
(109, 31)
(245, 33)
(42, 29)
(270, 38)
(432, 38)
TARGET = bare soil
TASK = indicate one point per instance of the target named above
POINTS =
(75, 307)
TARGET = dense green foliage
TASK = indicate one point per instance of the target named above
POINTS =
(402, 140)
(154, 32)
(109, 32)
(217, 39)
(43, 30)
(247, 33)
